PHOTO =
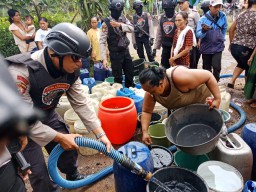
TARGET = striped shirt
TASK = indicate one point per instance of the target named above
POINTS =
(187, 43)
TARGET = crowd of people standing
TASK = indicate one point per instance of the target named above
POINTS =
(53, 67)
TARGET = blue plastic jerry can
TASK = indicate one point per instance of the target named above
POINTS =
(125, 180)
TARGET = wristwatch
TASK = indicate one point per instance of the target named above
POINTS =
(101, 134)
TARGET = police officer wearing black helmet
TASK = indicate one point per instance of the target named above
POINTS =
(113, 34)
(42, 78)
(165, 32)
(205, 6)
(143, 31)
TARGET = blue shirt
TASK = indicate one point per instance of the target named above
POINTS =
(222, 22)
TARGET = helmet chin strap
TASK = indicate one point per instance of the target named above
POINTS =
(61, 69)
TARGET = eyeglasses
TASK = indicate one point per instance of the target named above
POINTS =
(76, 58)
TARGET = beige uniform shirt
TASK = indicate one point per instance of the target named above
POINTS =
(5, 157)
(125, 27)
(150, 26)
(193, 18)
(41, 133)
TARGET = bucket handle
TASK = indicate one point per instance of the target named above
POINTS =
(155, 122)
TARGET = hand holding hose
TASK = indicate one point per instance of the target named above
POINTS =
(67, 141)
(104, 139)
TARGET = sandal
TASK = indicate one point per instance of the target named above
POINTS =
(230, 85)
(253, 105)
(250, 101)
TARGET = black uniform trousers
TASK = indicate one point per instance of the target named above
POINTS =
(212, 63)
(10, 181)
(121, 61)
(144, 40)
(194, 57)
(67, 163)
(166, 54)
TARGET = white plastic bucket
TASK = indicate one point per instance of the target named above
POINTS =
(81, 129)
(70, 117)
(225, 98)
(161, 110)
(221, 177)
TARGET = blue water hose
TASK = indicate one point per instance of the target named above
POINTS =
(232, 128)
(230, 75)
(94, 144)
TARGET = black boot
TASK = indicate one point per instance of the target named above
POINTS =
(75, 176)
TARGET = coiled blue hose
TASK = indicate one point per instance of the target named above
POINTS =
(83, 142)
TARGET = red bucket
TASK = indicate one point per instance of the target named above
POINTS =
(118, 119)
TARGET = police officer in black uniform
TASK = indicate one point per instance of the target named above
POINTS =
(42, 78)
(165, 32)
(113, 34)
(143, 31)
(15, 115)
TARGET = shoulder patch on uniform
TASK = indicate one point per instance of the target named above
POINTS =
(22, 84)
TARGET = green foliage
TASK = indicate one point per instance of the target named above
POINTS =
(7, 45)
(90, 8)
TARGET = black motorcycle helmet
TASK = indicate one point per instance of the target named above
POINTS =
(116, 4)
(169, 4)
(68, 39)
(137, 3)
(205, 6)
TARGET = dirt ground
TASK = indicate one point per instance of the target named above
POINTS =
(94, 163)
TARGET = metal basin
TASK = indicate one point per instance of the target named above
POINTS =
(194, 129)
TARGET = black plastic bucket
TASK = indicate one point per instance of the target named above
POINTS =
(194, 129)
(154, 119)
(161, 156)
(172, 174)
(138, 66)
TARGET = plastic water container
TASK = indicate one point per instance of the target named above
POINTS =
(81, 129)
(225, 98)
(118, 118)
(125, 92)
(158, 136)
(161, 110)
(84, 73)
(86, 89)
(220, 176)
(125, 180)
(117, 86)
(189, 161)
(234, 151)
(63, 106)
(90, 82)
(249, 136)
(162, 157)
(138, 66)
(99, 74)
(110, 80)
(138, 101)
(70, 117)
